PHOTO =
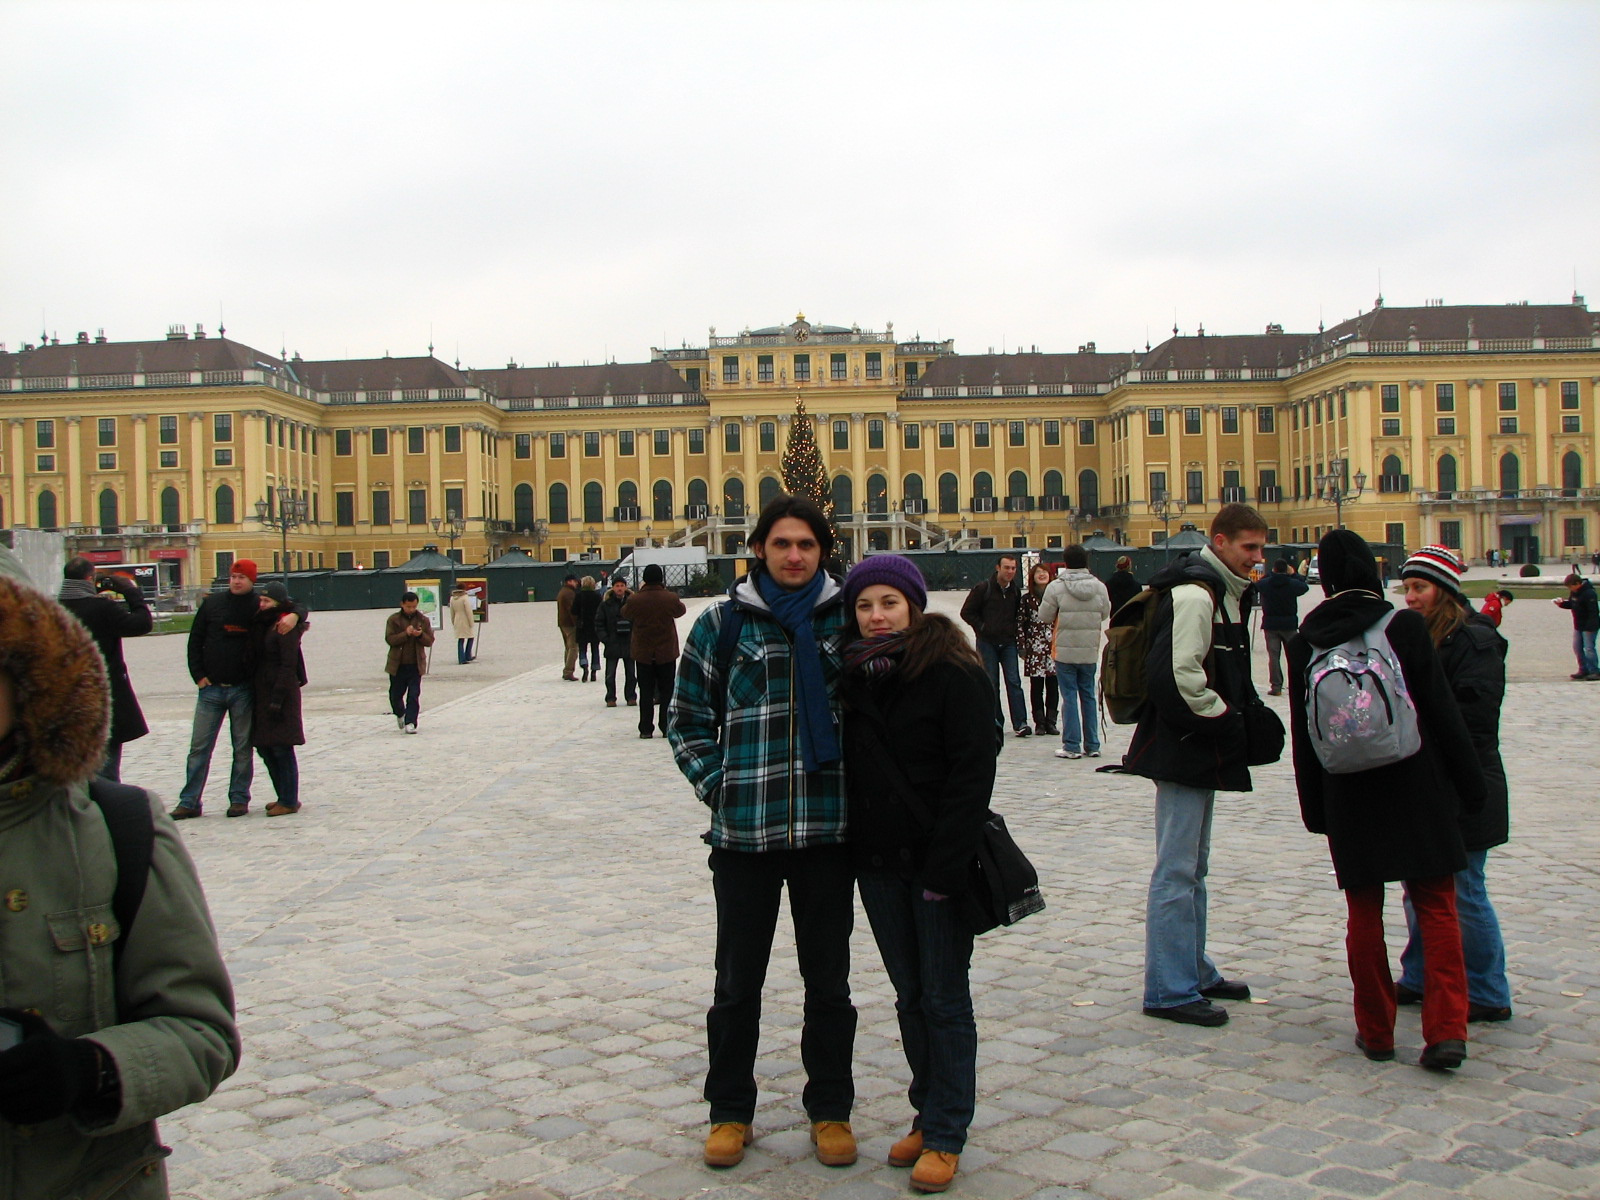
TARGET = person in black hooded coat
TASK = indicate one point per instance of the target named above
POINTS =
(1398, 822)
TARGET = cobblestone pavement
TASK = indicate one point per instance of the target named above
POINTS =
(477, 965)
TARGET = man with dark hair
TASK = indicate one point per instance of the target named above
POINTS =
(991, 610)
(755, 729)
(409, 633)
(615, 632)
(1076, 606)
(567, 623)
(1191, 740)
(1585, 624)
(1280, 593)
(653, 612)
(109, 621)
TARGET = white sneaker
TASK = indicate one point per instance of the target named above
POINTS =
(1091, 754)
(411, 728)
(1068, 754)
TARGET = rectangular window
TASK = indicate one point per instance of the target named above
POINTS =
(45, 463)
(1155, 422)
(345, 560)
(1446, 426)
(1017, 433)
(1316, 410)
(1569, 399)
(769, 437)
(343, 442)
(1575, 531)
(802, 368)
(222, 427)
(911, 435)
(1508, 424)
(108, 462)
(730, 438)
(980, 433)
(947, 435)
(452, 439)
(416, 439)
(1264, 419)
(697, 441)
(841, 435)
(913, 372)
(222, 456)
(417, 506)
(764, 368)
(1230, 420)
(558, 445)
(1196, 487)
(169, 458)
(522, 446)
(875, 434)
(380, 509)
(661, 441)
(44, 434)
(380, 440)
(1158, 484)
(1444, 397)
(1450, 534)
(1267, 485)
(1394, 532)
(1086, 431)
(1391, 426)
(455, 501)
(1389, 397)
(168, 435)
(294, 439)
(730, 368)
(1191, 420)
(691, 376)
(1508, 397)
(1052, 433)
(1571, 424)
(266, 428)
(344, 508)
(380, 558)
(836, 368)
(625, 443)
(874, 364)
(591, 444)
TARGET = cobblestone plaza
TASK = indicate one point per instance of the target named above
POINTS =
(477, 965)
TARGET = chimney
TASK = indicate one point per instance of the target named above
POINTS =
(100, 335)
(83, 337)
(199, 332)
(1089, 347)
(177, 333)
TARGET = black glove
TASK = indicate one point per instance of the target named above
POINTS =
(45, 1075)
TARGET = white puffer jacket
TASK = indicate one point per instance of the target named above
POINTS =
(1077, 604)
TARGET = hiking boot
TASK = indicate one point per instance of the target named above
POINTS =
(1404, 996)
(238, 810)
(907, 1150)
(934, 1171)
(281, 810)
(1227, 989)
(835, 1143)
(1373, 1052)
(725, 1143)
(1444, 1056)
(1196, 1012)
(183, 812)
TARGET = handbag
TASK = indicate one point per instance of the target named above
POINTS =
(1263, 733)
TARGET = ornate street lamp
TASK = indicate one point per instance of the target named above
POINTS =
(453, 525)
(1333, 489)
(1162, 508)
(292, 512)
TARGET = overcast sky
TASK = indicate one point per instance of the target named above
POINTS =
(577, 181)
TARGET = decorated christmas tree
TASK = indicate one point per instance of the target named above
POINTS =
(803, 471)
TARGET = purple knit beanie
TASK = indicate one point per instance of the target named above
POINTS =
(895, 570)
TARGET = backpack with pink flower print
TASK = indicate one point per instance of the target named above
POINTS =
(1358, 711)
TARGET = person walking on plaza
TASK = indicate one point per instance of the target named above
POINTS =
(1190, 740)
(1076, 605)
(1122, 586)
(919, 752)
(615, 633)
(1035, 638)
(276, 725)
(109, 621)
(117, 1014)
(653, 612)
(409, 634)
(1400, 821)
(1279, 593)
(991, 609)
(1473, 655)
(462, 606)
(1585, 608)
(755, 730)
(567, 623)
(584, 608)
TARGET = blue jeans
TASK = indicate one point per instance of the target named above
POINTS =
(1176, 965)
(926, 949)
(284, 770)
(1080, 720)
(212, 703)
(1583, 646)
(1003, 659)
(1481, 943)
(464, 651)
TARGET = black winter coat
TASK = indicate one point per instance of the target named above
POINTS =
(109, 621)
(280, 673)
(1585, 608)
(1401, 821)
(584, 609)
(221, 646)
(939, 730)
(1121, 588)
(1474, 661)
(1278, 593)
(991, 610)
(611, 627)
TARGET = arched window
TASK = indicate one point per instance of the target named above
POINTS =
(1510, 474)
(1571, 473)
(594, 503)
(1447, 473)
(982, 485)
(733, 543)
(627, 494)
(169, 506)
(522, 507)
(697, 492)
(224, 504)
(661, 500)
(733, 498)
(1089, 493)
(1052, 483)
(47, 509)
(769, 489)
(1017, 484)
(558, 504)
(913, 487)
(844, 496)
(877, 494)
(108, 511)
(949, 501)
(1392, 465)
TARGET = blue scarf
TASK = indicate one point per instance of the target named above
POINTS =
(792, 610)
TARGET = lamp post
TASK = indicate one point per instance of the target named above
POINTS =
(452, 526)
(292, 512)
(1025, 531)
(540, 529)
(1162, 508)
(1333, 489)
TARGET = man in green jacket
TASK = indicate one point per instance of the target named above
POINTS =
(106, 1022)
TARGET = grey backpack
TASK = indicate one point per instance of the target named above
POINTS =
(1358, 710)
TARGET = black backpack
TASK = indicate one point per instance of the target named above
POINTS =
(126, 810)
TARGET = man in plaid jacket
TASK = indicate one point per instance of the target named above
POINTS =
(755, 729)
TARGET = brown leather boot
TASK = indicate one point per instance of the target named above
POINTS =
(835, 1143)
(907, 1150)
(726, 1142)
(934, 1171)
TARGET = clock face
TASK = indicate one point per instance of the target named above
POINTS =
(801, 334)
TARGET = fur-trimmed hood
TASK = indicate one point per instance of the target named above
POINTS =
(63, 700)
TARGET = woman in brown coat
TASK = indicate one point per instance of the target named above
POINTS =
(280, 674)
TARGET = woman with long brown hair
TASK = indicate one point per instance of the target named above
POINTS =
(1036, 639)
(919, 751)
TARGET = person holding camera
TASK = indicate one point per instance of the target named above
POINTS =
(112, 608)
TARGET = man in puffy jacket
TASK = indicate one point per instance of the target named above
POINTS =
(109, 621)
(1279, 593)
(113, 1013)
(1077, 604)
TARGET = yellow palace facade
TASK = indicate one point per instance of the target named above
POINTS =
(1468, 425)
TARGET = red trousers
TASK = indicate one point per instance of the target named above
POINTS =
(1444, 974)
